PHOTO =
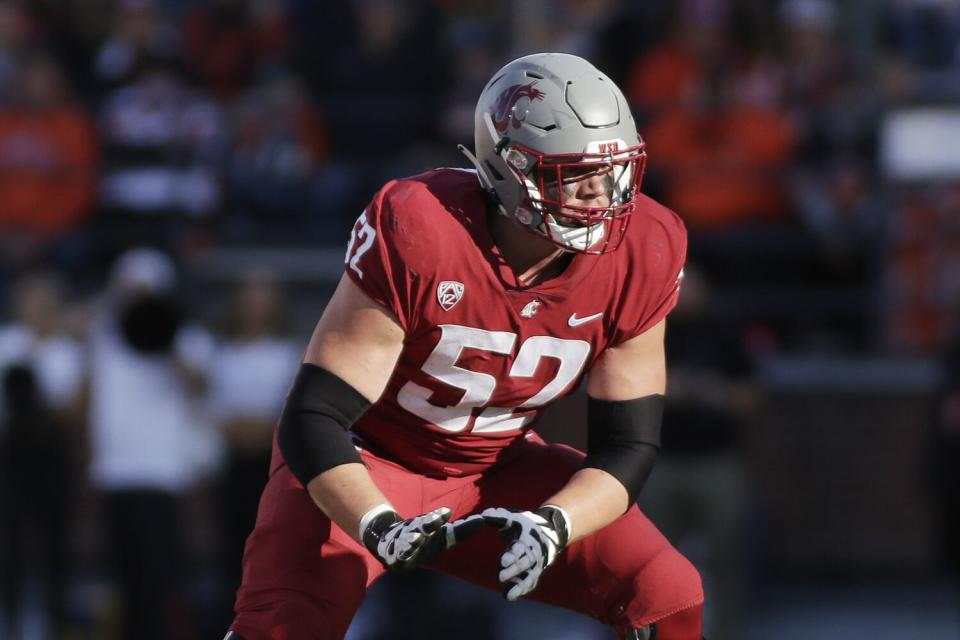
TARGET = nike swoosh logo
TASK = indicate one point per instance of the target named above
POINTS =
(574, 321)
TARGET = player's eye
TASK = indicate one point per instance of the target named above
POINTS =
(572, 175)
(570, 178)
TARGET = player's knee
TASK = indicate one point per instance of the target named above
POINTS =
(668, 583)
(680, 581)
(676, 581)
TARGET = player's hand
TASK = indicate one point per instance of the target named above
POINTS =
(536, 538)
(402, 545)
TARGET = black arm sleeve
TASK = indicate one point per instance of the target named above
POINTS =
(623, 439)
(317, 415)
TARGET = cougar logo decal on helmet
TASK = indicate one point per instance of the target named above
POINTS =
(557, 151)
(506, 105)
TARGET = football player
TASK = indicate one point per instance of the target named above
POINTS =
(472, 300)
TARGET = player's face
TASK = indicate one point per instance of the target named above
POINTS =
(578, 201)
(576, 187)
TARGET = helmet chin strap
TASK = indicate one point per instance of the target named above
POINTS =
(577, 238)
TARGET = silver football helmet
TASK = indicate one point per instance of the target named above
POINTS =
(542, 124)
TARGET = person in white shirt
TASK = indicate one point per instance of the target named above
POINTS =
(149, 442)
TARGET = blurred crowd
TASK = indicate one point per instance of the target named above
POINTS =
(772, 129)
(809, 145)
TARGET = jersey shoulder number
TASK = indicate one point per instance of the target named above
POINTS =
(361, 239)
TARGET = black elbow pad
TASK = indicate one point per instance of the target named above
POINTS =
(623, 439)
(319, 411)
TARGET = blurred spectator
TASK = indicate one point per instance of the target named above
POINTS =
(921, 40)
(718, 136)
(573, 27)
(923, 263)
(280, 177)
(809, 28)
(829, 93)
(41, 376)
(842, 205)
(830, 99)
(164, 142)
(15, 30)
(927, 32)
(697, 494)
(474, 44)
(138, 35)
(721, 157)
(148, 441)
(668, 74)
(226, 42)
(253, 368)
(380, 80)
(48, 157)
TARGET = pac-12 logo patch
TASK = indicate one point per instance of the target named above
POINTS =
(449, 293)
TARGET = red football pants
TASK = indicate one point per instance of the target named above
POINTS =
(303, 577)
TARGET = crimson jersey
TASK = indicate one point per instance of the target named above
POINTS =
(483, 355)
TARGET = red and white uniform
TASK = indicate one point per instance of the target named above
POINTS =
(482, 357)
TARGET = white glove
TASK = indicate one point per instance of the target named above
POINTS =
(536, 540)
(402, 545)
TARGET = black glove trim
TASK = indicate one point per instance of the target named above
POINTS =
(373, 534)
(555, 518)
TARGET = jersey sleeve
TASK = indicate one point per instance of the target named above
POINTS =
(375, 259)
(653, 277)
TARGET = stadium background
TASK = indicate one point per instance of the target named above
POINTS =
(810, 146)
